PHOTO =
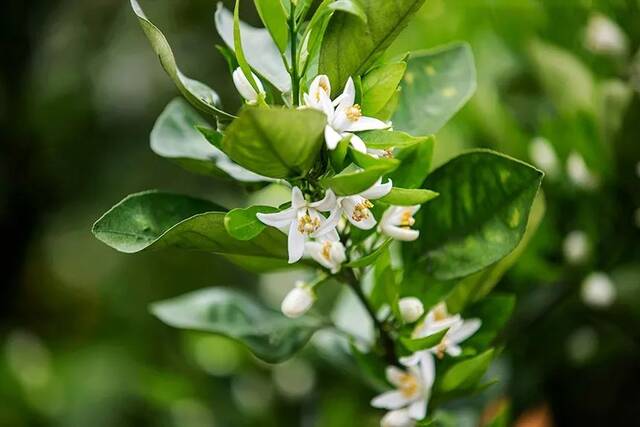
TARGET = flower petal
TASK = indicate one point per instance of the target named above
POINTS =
(278, 219)
(418, 409)
(329, 224)
(366, 123)
(412, 360)
(454, 350)
(402, 234)
(331, 137)
(468, 328)
(378, 190)
(394, 375)
(327, 203)
(357, 143)
(348, 95)
(295, 243)
(427, 369)
(389, 400)
(297, 198)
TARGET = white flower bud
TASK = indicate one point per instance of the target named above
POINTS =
(598, 290)
(576, 247)
(397, 418)
(244, 87)
(604, 36)
(579, 173)
(411, 309)
(543, 156)
(298, 301)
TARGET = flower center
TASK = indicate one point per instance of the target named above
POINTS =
(307, 225)
(409, 385)
(387, 153)
(441, 348)
(361, 211)
(406, 220)
(440, 312)
(354, 113)
(326, 251)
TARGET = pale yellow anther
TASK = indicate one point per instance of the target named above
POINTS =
(408, 385)
(406, 220)
(354, 113)
(361, 211)
(440, 312)
(326, 250)
(308, 225)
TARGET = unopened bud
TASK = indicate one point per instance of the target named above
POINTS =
(598, 290)
(244, 87)
(298, 301)
(397, 418)
(410, 309)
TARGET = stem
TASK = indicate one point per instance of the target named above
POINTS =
(385, 338)
(295, 79)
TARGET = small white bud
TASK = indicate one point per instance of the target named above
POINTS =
(576, 247)
(411, 309)
(397, 418)
(604, 36)
(579, 173)
(298, 301)
(598, 290)
(543, 156)
(244, 87)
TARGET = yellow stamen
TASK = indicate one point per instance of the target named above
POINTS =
(440, 312)
(406, 220)
(387, 153)
(408, 385)
(326, 251)
(441, 348)
(307, 225)
(354, 113)
(361, 211)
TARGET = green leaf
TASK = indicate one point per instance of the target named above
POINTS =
(349, 6)
(436, 85)
(408, 197)
(369, 258)
(418, 344)
(350, 46)
(243, 224)
(366, 161)
(178, 135)
(275, 142)
(480, 215)
(379, 85)
(198, 94)
(237, 43)
(494, 311)
(383, 139)
(261, 52)
(466, 373)
(339, 155)
(274, 18)
(475, 287)
(267, 333)
(352, 181)
(415, 163)
(155, 220)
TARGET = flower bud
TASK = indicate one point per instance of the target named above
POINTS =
(410, 309)
(298, 301)
(543, 156)
(598, 290)
(397, 418)
(244, 87)
(576, 247)
(604, 36)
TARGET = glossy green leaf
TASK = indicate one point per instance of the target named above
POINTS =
(383, 139)
(267, 333)
(259, 48)
(436, 85)
(408, 197)
(366, 161)
(352, 181)
(349, 6)
(467, 373)
(350, 46)
(275, 142)
(274, 18)
(415, 163)
(155, 220)
(237, 43)
(243, 224)
(197, 93)
(339, 155)
(371, 257)
(480, 215)
(494, 311)
(380, 85)
(418, 344)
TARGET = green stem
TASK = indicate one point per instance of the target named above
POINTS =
(386, 340)
(295, 79)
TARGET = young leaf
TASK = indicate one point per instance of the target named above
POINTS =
(418, 344)
(371, 257)
(366, 161)
(467, 373)
(198, 94)
(267, 333)
(415, 163)
(408, 197)
(436, 85)
(379, 85)
(154, 220)
(274, 18)
(243, 224)
(275, 142)
(352, 181)
(258, 46)
(350, 46)
(383, 139)
(480, 215)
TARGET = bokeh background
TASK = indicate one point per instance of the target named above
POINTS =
(558, 86)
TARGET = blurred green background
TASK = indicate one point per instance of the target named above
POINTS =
(79, 92)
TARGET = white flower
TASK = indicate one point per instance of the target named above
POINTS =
(598, 290)
(413, 389)
(302, 221)
(244, 87)
(356, 208)
(604, 36)
(344, 116)
(397, 221)
(298, 301)
(543, 156)
(435, 321)
(411, 309)
(328, 253)
(397, 418)
(576, 247)
(579, 173)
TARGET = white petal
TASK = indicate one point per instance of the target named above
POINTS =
(314, 250)
(297, 198)
(427, 369)
(348, 95)
(394, 375)
(363, 218)
(454, 350)
(295, 243)
(244, 87)
(389, 400)
(327, 203)
(366, 123)
(468, 328)
(331, 137)
(358, 144)
(412, 360)
(328, 225)
(402, 234)
(397, 418)
(418, 409)
(378, 190)
(278, 219)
